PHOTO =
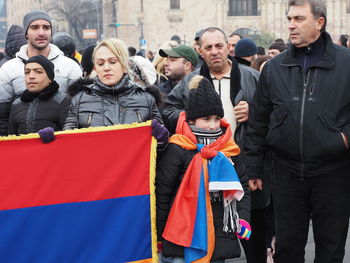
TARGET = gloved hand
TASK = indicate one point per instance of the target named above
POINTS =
(47, 135)
(159, 131)
(246, 230)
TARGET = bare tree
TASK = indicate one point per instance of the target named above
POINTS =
(79, 14)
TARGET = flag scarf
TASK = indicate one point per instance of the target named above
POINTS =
(88, 196)
(190, 221)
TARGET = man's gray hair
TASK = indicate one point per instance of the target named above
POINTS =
(212, 29)
(318, 8)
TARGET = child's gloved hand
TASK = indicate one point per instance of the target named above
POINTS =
(47, 135)
(246, 230)
(159, 131)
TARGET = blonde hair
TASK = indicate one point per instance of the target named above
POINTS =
(118, 48)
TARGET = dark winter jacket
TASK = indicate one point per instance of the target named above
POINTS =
(94, 104)
(32, 112)
(14, 40)
(301, 115)
(174, 162)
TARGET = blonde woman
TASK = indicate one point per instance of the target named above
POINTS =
(111, 97)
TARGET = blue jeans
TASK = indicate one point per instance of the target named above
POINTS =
(181, 260)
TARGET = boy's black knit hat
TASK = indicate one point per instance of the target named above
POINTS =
(203, 100)
(48, 66)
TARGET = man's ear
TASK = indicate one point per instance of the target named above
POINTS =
(188, 66)
(320, 23)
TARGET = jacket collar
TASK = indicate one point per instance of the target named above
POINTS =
(54, 52)
(327, 59)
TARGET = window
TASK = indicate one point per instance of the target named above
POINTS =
(243, 8)
(174, 4)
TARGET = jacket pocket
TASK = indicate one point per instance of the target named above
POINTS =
(85, 119)
(275, 133)
(329, 136)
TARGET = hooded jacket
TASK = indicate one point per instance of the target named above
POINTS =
(95, 104)
(301, 114)
(12, 78)
(15, 39)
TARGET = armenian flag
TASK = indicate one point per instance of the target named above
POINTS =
(86, 197)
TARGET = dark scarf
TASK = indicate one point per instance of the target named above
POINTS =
(205, 136)
(235, 78)
(45, 94)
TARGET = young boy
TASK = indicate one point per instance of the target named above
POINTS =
(41, 104)
(197, 185)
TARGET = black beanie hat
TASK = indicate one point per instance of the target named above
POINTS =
(48, 66)
(203, 100)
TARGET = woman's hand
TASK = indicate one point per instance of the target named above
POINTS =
(159, 131)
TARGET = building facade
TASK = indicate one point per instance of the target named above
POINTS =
(154, 22)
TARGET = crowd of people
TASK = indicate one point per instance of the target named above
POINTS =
(252, 145)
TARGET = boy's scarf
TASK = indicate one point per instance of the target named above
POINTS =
(190, 222)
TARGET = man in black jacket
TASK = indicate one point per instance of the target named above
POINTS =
(301, 110)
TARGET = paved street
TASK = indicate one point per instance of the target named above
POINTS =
(309, 252)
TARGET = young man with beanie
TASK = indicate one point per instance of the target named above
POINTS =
(246, 51)
(202, 138)
(181, 61)
(38, 32)
(41, 105)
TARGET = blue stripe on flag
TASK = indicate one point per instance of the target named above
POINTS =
(114, 230)
(199, 246)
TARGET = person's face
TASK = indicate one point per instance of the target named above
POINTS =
(214, 51)
(304, 29)
(35, 77)
(211, 122)
(273, 52)
(39, 34)
(107, 66)
(175, 68)
(232, 41)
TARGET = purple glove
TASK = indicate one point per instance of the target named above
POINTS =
(159, 131)
(47, 134)
(246, 230)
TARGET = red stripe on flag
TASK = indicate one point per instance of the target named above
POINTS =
(75, 168)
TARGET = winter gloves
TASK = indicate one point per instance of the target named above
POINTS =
(47, 134)
(246, 230)
(159, 131)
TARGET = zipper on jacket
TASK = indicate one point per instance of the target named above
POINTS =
(305, 82)
(139, 118)
(89, 119)
(31, 115)
(122, 112)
